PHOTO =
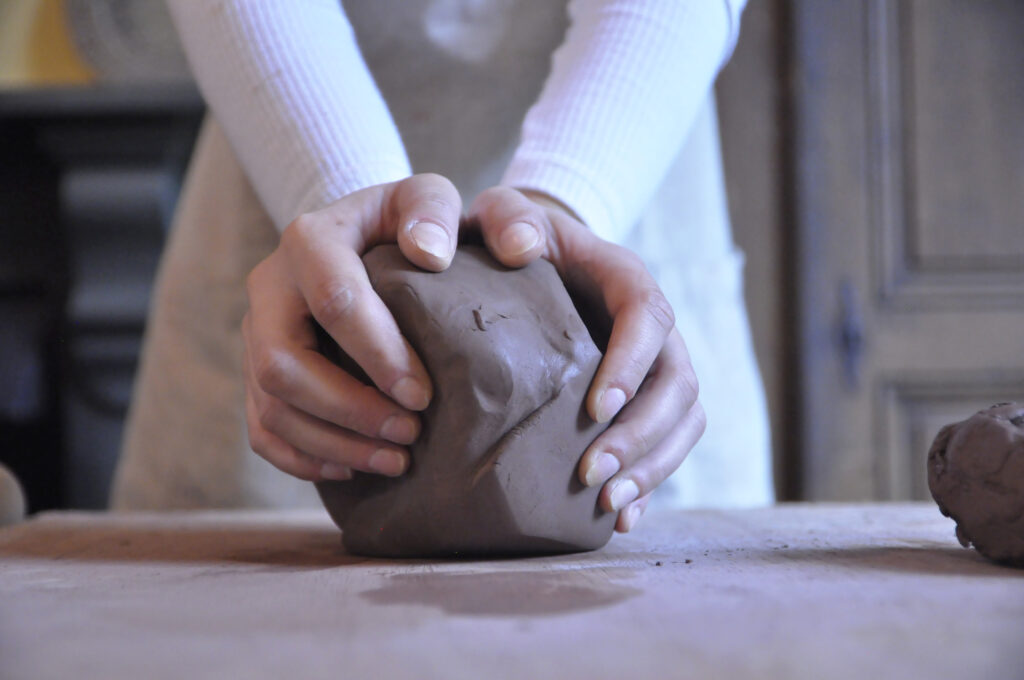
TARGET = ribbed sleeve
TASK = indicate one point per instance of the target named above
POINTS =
(287, 82)
(624, 89)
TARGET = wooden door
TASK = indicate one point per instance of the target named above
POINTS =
(908, 181)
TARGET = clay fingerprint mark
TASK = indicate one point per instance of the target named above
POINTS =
(504, 593)
(481, 321)
(490, 458)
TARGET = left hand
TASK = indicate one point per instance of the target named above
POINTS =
(645, 380)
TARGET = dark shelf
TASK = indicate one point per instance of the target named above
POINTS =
(89, 177)
(73, 101)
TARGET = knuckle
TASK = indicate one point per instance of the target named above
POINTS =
(501, 206)
(492, 194)
(333, 303)
(638, 366)
(687, 385)
(626, 262)
(433, 198)
(653, 473)
(647, 477)
(429, 189)
(257, 441)
(486, 203)
(656, 306)
(654, 470)
(269, 413)
(632, 259)
(367, 411)
(635, 442)
(433, 178)
(303, 466)
(254, 279)
(356, 411)
(300, 228)
(700, 417)
(297, 233)
(305, 474)
(272, 370)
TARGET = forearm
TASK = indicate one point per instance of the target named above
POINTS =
(287, 82)
(624, 89)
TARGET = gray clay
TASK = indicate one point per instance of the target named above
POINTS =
(976, 475)
(494, 470)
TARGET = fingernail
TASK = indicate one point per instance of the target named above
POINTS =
(411, 394)
(602, 468)
(624, 492)
(336, 471)
(632, 515)
(518, 238)
(387, 462)
(398, 429)
(611, 402)
(431, 238)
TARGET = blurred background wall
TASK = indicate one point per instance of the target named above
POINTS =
(36, 48)
(874, 153)
(97, 120)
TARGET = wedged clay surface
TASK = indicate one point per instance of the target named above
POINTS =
(494, 470)
(976, 475)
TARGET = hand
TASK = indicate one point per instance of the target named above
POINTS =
(645, 380)
(307, 416)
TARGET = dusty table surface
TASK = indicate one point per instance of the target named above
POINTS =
(795, 591)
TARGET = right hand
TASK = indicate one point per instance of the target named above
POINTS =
(306, 415)
(645, 380)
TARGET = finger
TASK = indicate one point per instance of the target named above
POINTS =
(276, 451)
(335, 448)
(426, 209)
(513, 226)
(644, 474)
(335, 288)
(329, 443)
(285, 362)
(667, 393)
(642, 320)
(630, 514)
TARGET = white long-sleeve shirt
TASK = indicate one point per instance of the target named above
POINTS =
(287, 81)
(473, 93)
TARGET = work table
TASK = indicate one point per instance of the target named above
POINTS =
(794, 591)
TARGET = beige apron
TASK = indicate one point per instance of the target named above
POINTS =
(458, 86)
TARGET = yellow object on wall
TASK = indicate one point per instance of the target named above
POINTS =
(35, 46)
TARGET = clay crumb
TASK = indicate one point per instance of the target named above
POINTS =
(688, 561)
(658, 563)
(478, 317)
(566, 334)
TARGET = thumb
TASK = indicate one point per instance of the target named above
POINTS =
(428, 208)
(513, 225)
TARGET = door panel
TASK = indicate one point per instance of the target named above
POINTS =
(945, 105)
(913, 408)
(963, 100)
(909, 203)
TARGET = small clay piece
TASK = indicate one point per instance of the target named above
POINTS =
(976, 475)
(494, 470)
